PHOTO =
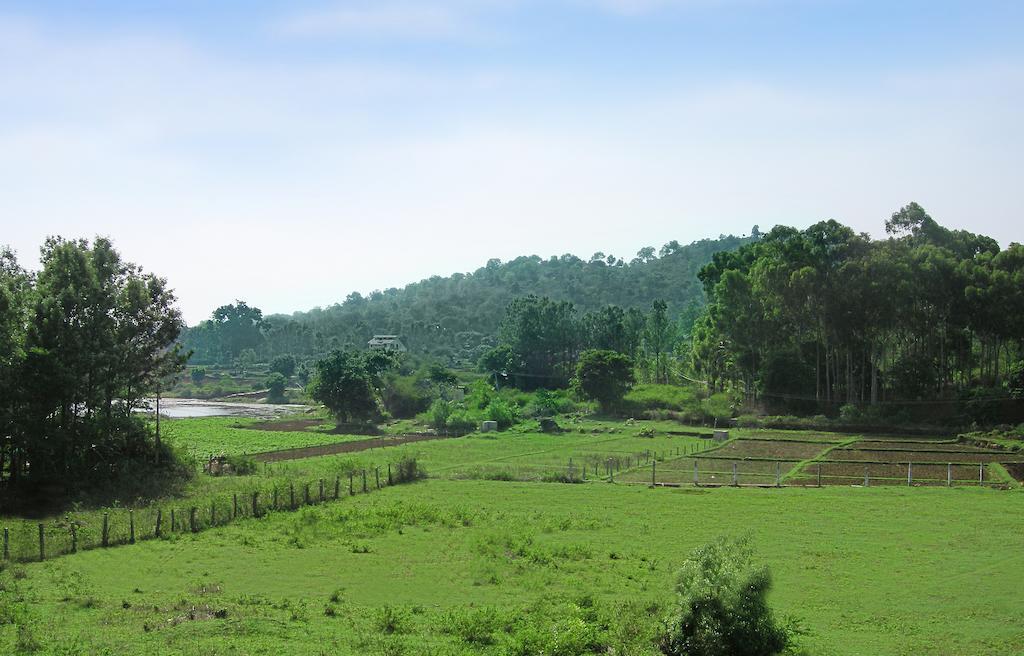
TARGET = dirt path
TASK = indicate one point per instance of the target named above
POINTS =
(345, 447)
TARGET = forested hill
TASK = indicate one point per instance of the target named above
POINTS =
(456, 317)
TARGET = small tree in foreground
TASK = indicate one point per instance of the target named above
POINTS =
(722, 608)
(604, 376)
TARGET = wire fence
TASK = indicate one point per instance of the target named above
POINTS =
(27, 541)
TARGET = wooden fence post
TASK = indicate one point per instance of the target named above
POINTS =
(322, 498)
(305, 494)
(867, 482)
(611, 474)
(193, 524)
(255, 503)
(337, 487)
(910, 475)
(174, 527)
(42, 545)
(819, 474)
(981, 472)
(778, 474)
(654, 473)
(389, 472)
(696, 480)
(351, 489)
(949, 474)
(364, 480)
(376, 476)
(735, 477)
(74, 537)
(159, 519)
(131, 526)
(7, 543)
(234, 505)
(291, 495)
(105, 536)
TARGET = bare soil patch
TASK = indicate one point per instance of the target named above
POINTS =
(775, 449)
(903, 456)
(291, 425)
(345, 447)
(1016, 469)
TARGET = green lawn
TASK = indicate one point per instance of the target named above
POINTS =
(451, 566)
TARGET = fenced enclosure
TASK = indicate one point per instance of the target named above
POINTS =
(27, 541)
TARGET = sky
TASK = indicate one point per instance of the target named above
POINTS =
(288, 153)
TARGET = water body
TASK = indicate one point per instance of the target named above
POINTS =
(186, 408)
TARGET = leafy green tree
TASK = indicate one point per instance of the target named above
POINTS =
(99, 336)
(284, 365)
(347, 383)
(198, 375)
(276, 383)
(722, 607)
(604, 376)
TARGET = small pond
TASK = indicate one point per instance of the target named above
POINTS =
(186, 408)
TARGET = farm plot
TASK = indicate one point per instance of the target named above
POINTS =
(710, 471)
(771, 449)
(904, 456)
(918, 445)
(881, 473)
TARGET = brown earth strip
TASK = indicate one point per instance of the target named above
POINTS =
(345, 447)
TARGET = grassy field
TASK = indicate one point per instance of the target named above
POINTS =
(483, 566)
(486, 559)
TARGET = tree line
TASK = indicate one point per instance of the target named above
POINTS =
(82, 342)
(540, 341)
(829, 316)
(455, 319)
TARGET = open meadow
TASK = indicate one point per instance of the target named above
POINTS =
(485, 557)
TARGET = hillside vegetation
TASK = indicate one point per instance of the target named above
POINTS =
(456, 318)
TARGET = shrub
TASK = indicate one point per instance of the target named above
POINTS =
(461, 419)
(502, 412)
(406, 396)
(722, 606)
(275, 387)
(438, 413)
(241, 465)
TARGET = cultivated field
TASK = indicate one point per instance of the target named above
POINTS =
(486, 558)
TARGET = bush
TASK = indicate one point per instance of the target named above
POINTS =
(722, 606)
(547, 403)
(502, 412)
(241, 465)
(462, 420)
(275, 387)
(663, 397)
(437, 415)
(406, 396)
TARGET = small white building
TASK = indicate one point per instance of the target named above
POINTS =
(386, 343)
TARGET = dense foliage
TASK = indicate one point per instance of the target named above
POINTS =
(722, 607)
(456, 319)
(348, 383)
(604, 376)
(831, 317)
(81, 343)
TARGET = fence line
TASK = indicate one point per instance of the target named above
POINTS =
(71, 534)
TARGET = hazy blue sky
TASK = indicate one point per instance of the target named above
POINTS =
(288, 154)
